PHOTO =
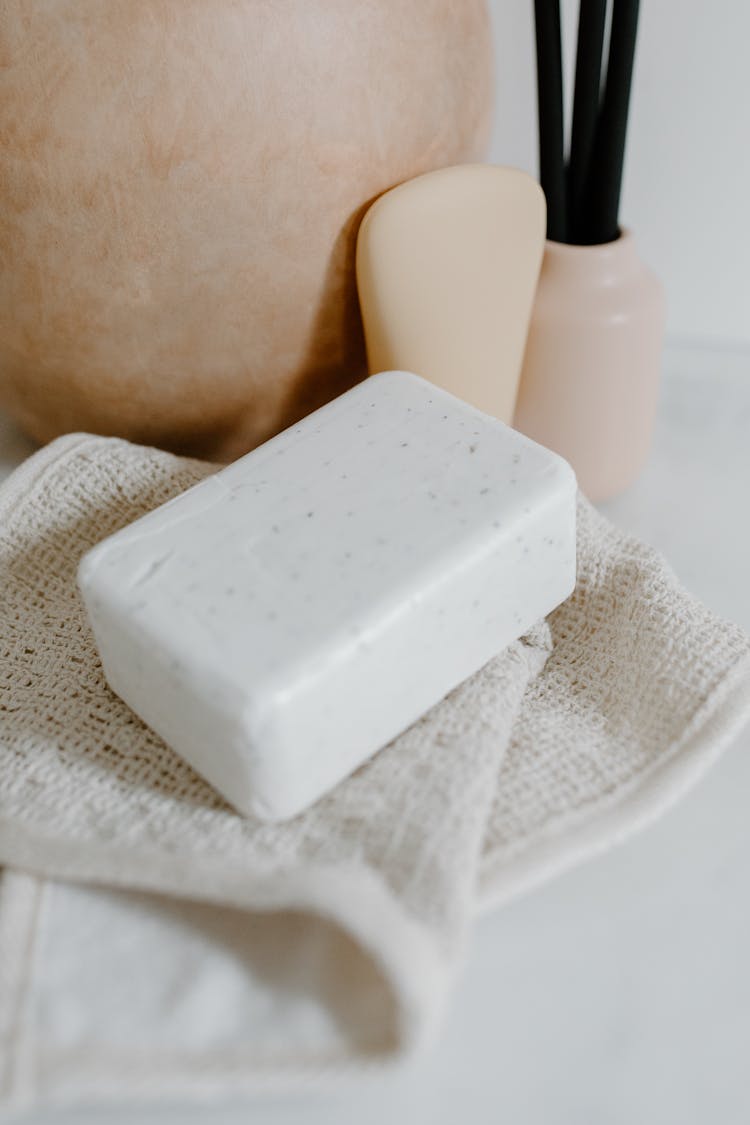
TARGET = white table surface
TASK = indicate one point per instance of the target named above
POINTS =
(620, 993)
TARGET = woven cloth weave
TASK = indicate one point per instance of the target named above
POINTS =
(563, 744)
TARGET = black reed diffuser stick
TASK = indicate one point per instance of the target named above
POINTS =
(605, 181)
(592, 18)
(583, 199)
(550, 96)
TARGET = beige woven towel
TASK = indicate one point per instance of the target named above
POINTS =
(563, 744)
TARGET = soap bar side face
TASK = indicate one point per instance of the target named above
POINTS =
(195, 710)
(308, 602)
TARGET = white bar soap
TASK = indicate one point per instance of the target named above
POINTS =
(291, 614)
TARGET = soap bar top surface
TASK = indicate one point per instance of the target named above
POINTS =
(318, 531)
(332, 570)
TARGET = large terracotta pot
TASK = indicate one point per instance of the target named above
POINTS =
(180, 187)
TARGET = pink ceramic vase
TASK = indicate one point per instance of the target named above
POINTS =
(591, 372)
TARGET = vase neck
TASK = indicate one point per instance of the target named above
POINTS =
(604, 260)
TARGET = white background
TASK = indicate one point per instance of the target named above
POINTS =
(687, 170)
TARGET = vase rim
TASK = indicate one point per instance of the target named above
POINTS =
(612, 254)
(624, 239)
(623, 243)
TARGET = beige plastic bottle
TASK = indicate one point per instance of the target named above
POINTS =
(447, 267)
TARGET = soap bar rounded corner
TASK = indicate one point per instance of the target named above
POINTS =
(563, 471)
(88, 569)
(400, 376)
(392, 374)
(559, 468)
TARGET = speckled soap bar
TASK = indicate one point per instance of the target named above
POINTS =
(287, 617)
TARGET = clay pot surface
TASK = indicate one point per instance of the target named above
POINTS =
(180, 187)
